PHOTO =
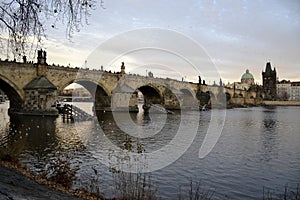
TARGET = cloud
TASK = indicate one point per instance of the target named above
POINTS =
(235, 34)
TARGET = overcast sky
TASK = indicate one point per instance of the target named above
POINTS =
(234, 35)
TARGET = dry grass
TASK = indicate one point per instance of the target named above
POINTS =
(287, 193)
(196, 192)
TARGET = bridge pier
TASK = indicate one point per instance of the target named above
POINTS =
(40, 98)
(124, 98)
(40, 93)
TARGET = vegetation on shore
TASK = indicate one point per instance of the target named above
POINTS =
(61, 175)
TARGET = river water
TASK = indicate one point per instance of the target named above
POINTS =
(259, 149)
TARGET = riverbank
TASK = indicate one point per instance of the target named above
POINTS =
(17, 182)
(14, 185)
(281, 103)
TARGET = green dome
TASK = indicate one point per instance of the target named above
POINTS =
(247, 75)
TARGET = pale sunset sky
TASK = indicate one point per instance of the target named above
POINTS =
(235, 35)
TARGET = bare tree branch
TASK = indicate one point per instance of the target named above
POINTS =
(23, 21)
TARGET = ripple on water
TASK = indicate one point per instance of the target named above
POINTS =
(259, 147)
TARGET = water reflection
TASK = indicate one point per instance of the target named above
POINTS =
(146, 125)
(269, 135)
(4, 118)
(269, 125)
(141, 117)
(245, 159)
(31, 133)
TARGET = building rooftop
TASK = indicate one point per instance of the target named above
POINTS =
(40, 82)
(247, 75)
(284, 82)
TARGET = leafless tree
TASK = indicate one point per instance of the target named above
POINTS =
(22, 22)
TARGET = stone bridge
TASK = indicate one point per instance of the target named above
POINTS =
(33, 88)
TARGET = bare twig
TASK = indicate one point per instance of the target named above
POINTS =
(24, 21)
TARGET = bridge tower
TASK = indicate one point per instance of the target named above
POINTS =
(269, 82)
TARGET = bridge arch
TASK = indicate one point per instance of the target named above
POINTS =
(228, 96)
(189, 92)
(93, 87)
(88, 84)
(205, 97)
(188, 97)
(100, 94)
(212, 96)
(151, 94)
(13, 93)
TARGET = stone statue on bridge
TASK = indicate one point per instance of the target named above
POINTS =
(42, 57)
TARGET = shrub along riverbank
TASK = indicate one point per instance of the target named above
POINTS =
(17, 182)
(15, 185)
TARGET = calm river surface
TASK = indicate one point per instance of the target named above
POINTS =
(258, 148)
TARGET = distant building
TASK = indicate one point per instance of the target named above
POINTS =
(77, 92)
(247, 78)
(269, 82)
(287, 90)
(295, 91)
(283, 90)
(238, 86)
(81, 92)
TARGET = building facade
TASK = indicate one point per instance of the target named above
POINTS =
(238, 86)
(269, 82)
(283, 90)
(287, 90)
(295, 91)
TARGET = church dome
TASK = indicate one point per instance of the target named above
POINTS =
(247, 75)
(247, 78)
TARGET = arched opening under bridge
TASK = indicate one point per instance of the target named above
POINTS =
(87, 95)
(188, 99)
(150, 94)
(10, 93)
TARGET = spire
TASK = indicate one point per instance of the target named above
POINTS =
(268, 67)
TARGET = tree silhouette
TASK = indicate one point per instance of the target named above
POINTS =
(22, 22)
